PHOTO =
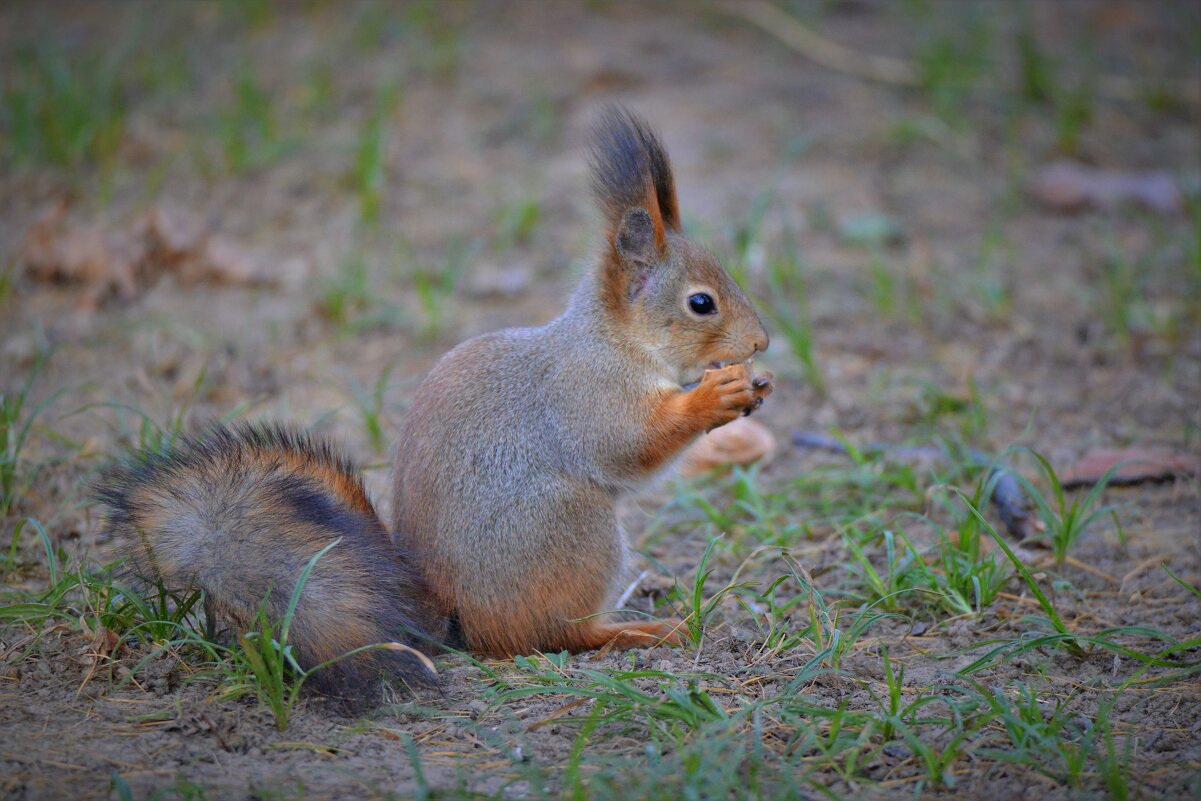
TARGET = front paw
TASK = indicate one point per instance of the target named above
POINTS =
(726, 394)
(761, 385)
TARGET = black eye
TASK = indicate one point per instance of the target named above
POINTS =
(701, 303)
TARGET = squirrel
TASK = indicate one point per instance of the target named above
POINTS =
(508, 468)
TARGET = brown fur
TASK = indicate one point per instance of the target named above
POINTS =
(238, 514)
(508, 470)
(677, 417)
(519, 443)
(651, 198)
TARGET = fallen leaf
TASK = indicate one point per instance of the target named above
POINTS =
(1134, 466)
(224, 262)
(741, 442)
(173, 234)
(179, 243)
(126, 262)
(1069, 186)
(55, 252)
(106, 642)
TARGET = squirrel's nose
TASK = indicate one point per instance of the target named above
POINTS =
(760, 340)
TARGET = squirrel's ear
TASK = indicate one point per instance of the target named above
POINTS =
(637, 248)
(635, 240)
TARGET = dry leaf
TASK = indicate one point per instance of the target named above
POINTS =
(172, 233)
(106, 642)
(125, 263)
(180, 244)
(80, 254)
(224, 262)
(1136, 466)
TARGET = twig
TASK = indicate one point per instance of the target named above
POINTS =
(1086, 567)
(1007, 493)
(798, 36)
(625, 596)
(887, 69)
(1150, 561)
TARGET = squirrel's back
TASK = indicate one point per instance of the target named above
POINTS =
(238, 514)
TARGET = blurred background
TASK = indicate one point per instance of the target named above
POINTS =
(977, 211)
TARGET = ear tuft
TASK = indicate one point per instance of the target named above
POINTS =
(630, 169)
(632, 181)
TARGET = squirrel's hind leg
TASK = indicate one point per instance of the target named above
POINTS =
(591, 634)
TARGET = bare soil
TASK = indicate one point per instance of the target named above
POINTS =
(493, 103)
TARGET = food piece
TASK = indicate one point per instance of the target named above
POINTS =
(741, 442)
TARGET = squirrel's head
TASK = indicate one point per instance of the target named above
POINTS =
(671, 296)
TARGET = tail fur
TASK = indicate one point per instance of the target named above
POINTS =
(239, 512)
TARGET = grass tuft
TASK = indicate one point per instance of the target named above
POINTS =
(63, 109)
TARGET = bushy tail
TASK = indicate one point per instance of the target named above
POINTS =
(239, 512)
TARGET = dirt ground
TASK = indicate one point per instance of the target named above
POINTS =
(935, 281)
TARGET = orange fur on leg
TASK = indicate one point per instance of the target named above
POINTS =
(680, 416)
(590, 634)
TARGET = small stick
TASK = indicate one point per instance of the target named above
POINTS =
(799, 37)
(625, 596)
(889, 70)
(1086, 567)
